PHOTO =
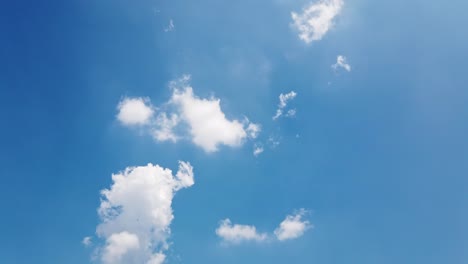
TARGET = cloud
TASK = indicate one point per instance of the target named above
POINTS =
(136, 213)
(292, 227)
(238, 233)
(284, 99)
(257, 150)
(253, 130)
(134, 111)
(170, 27)
(165, 126)
(185, 115)
(87, 241)
(316, 19)
(119, 244)
(341, 62)
(208, 124)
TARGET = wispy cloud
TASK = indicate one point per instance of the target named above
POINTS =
(284, 100)
(341, 62)
(170, 27)
(316, 19)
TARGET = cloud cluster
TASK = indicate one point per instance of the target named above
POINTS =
(292, 227)
(204, 122)
(136, 213)
(316, 19)
(341, 62)
(284, 99)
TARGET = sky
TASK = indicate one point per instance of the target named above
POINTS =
(298, 131)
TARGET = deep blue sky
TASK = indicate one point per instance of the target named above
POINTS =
(381, 161)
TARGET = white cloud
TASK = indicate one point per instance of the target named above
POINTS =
(136, 213)
(292, 227)
(341, 62)
(87, 241)
(170, 27)
(284, 100)
(257, 150)
(186, 115)
(164, 130)
(316, 19)
(291, 113)
(134, 111)
(209, 126)
(119, 244)
(253, 130)
(157, 258)
(238, 233)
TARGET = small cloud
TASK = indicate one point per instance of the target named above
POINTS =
(257, 150)
(273, 141)
(87, 241)
(316, 19)
(284, 99)
(291, 113)
(292, 227)
(238, 233)
(134, 111)
(165, 127)
(170, 27)
(341, 62)
(253, 130)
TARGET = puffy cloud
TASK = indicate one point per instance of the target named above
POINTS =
(117, 245)
(316, 19)
(134, 111)
(284, 99)
(292, 227)
(238, 233)
(341, 62)
(209, 126)
(136, 213)
(186, 115)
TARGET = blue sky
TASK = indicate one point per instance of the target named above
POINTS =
(377, 156)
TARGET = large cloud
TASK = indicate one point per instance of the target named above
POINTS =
(186, 115)
(316, 19)
(136, 213)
